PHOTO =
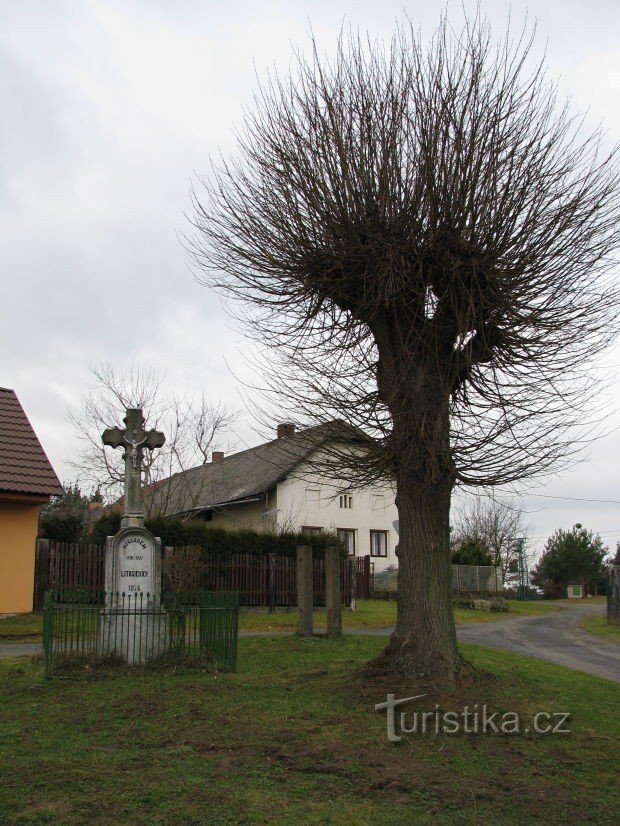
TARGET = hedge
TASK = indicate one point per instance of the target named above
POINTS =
(179, 533)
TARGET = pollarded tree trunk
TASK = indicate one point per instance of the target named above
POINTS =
(424, 642)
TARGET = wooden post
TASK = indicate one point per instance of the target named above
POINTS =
(271, 583)
(41, 573)
(305, 590)
(332, 591)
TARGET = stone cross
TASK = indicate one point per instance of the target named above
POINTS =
(134, 438)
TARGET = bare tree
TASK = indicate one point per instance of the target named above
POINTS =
(193, 427)
(493, 525)
(423, 238)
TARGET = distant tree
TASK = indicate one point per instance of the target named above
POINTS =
(106, 525)
(575, 556)
(424, 240)
(471, 552)
(64, 517)
(495, 526)
(193, 427)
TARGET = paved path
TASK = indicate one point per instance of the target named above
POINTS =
(554, 637)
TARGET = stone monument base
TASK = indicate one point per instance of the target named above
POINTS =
(136, 637)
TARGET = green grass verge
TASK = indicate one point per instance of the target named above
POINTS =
(600, 626)
(294, 738)
(370, 613)
(20, 628)
(377, 613)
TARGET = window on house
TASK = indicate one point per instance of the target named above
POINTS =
(378, 543)
(378, 501)
(345, 500)
(347, 537)
(311, 529)
(312, 495)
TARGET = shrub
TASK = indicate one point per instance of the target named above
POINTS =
(179, 533)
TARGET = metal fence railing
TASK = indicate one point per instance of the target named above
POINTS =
(613, 595)
(477, 578)
(194, 628)
(465, 578)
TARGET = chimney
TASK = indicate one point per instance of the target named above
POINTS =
(217, 456)
(285, 429)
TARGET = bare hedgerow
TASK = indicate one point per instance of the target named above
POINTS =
(423, 236)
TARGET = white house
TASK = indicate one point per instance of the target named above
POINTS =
(277, 486)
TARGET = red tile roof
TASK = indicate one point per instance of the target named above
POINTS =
(24, 467)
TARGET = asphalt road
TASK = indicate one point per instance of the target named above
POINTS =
(554, 637)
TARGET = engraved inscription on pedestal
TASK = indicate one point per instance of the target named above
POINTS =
(136, 556)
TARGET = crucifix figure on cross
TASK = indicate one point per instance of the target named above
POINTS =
(134, 438)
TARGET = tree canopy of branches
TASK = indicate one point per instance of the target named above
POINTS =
(493, 526)
(424, 238)
(193, 427)
(570, 557)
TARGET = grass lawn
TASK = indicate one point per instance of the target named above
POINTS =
(599, 625)
(371, 613)
(20, 628)
(378, 613)
(294, 738)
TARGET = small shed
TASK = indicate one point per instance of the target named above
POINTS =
(27, 480)
(574, 591)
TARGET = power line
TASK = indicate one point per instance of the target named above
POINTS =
(567, 498)
(575, 498)
(615, 532)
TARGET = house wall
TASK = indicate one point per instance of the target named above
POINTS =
(249, 516)
(372, 508)
(18, 533)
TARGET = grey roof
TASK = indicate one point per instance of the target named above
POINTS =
(243, 476)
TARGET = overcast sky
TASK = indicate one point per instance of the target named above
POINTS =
(110, 110)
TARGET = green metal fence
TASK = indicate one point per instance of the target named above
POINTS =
(137, 630)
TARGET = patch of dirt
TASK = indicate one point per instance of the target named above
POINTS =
(52, 807)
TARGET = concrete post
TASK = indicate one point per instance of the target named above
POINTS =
(332, 591)
(305, 594)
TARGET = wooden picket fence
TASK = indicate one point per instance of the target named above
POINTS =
(68, 566)
(268, 580)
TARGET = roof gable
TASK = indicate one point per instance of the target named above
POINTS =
(24, 467)
(243, 475)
